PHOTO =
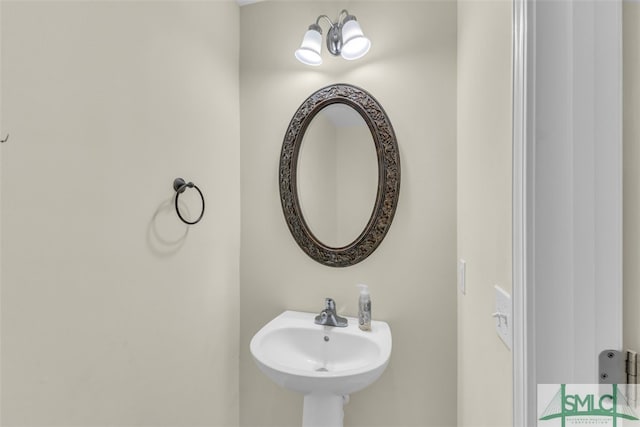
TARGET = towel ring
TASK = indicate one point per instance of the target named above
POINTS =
(179, 185)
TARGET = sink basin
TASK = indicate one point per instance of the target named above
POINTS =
(325, 363)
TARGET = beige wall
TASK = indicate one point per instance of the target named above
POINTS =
(112, 313)
(484, 208)
(411, 70)
(1, 238)
(631, 93)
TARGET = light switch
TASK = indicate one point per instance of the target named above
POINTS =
(503, 316)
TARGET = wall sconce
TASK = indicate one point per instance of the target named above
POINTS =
(344, 38)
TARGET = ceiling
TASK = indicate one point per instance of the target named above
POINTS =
(246, 2)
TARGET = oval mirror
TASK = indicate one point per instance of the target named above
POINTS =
(337, 175)
(340, 192)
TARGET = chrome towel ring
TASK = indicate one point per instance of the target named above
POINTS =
(179, 185)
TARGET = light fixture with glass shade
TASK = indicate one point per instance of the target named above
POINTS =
(344, 38)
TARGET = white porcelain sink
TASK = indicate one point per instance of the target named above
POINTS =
(325, 363)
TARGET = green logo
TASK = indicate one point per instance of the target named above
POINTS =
(584, 407)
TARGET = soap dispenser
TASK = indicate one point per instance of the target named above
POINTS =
(364, 308)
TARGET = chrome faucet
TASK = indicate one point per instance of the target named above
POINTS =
(328, 316)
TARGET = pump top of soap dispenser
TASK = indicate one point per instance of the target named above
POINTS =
(364, 289)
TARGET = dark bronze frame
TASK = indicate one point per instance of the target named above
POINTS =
(388, 175)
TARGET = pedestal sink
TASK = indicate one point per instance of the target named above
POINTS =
(324, 363)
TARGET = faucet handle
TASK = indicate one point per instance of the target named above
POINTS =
(329, 304)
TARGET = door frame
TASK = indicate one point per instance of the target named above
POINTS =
(592, 136)
(522, 350)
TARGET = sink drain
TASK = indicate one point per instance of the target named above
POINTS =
(322, 370)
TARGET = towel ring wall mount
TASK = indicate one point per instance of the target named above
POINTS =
(179, 186)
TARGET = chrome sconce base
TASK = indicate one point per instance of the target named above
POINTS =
(334, 40)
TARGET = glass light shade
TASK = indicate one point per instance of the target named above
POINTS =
(354, 44)
(309, 52)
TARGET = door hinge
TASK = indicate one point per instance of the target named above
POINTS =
(620, 367)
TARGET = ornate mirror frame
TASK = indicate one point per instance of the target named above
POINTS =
(388, 175)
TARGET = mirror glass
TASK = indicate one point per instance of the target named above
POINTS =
(337, 175)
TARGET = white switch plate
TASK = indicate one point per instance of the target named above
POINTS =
(462, 280)
(503, 316)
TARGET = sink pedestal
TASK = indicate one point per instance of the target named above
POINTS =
(323, 410)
